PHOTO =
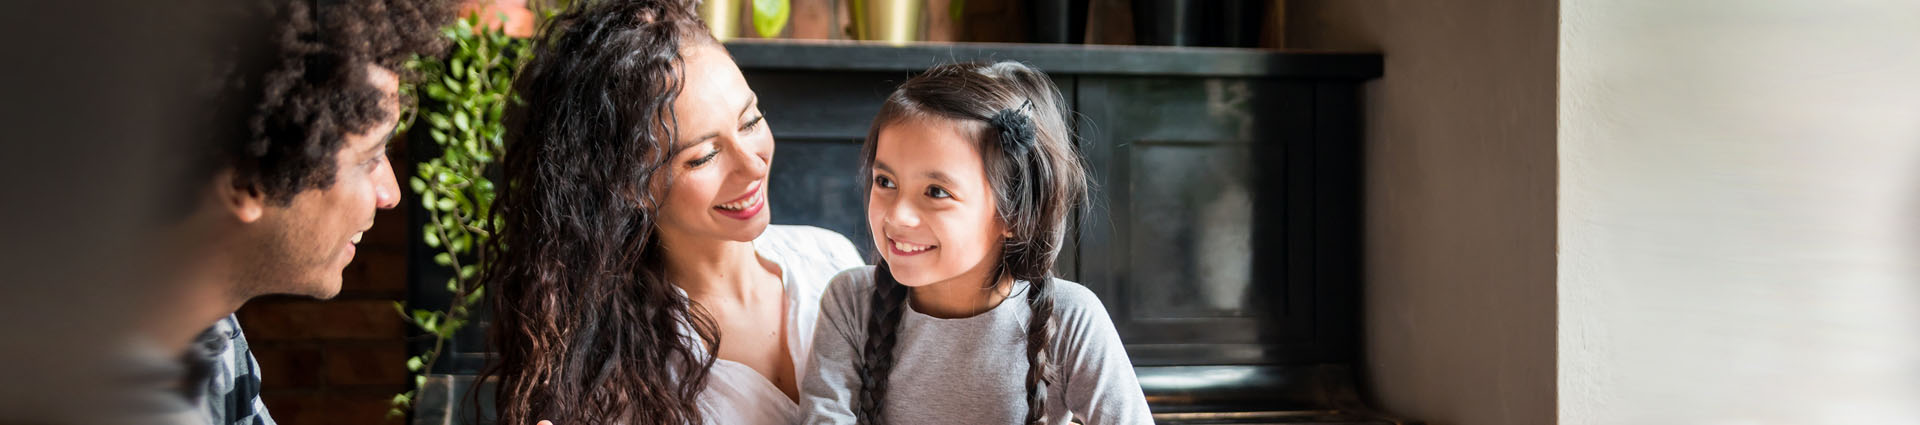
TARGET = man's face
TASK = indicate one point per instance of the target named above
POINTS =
(302, 247)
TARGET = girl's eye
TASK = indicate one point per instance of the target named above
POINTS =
(704, 159)
(883, 182)
(937, 193)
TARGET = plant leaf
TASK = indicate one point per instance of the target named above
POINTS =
(770, 17)
(475, 296)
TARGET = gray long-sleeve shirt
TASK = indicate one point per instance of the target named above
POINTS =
(973, 370)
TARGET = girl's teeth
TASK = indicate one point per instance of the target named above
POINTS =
(356, 237)
(907, 247)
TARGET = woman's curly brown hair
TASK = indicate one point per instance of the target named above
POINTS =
(315, 91)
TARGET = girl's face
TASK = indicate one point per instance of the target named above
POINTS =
(719, 161)
(929, 204)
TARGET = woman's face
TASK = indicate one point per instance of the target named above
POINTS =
(719, 158)
(929, 204)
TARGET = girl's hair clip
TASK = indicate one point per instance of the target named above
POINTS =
(1014, 129)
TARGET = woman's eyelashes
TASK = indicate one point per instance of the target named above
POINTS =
(749, 127)
(882, 182)
(704, 159)
(753, 124)
(936, 192)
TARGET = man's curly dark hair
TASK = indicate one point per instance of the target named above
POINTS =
(313, 88)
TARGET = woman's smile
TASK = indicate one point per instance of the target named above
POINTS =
(746, 206)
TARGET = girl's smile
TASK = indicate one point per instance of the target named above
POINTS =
(902, 248)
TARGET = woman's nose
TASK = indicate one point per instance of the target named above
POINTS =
(753, 165)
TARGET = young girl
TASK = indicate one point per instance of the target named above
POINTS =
(972, 174)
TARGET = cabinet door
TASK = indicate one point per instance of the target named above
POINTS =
(1197, 238)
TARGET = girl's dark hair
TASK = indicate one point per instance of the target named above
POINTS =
(1019, 119)
(586, 326)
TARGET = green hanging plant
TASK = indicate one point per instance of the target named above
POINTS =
(462, 98)
(770, 16)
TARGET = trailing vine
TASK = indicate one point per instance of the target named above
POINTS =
(462, 98)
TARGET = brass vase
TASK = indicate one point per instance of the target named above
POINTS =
(723, 18)
(892, 21)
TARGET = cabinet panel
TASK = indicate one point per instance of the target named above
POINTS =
(1200, 246)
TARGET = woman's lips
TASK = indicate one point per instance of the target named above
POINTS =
(746, 206)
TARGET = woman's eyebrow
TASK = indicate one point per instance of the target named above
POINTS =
(752, 99)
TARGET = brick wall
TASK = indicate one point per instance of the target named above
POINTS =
(339, 361)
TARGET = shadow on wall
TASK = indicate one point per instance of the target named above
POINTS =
(1910, 214)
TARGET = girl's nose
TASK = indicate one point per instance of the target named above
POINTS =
(902, 214)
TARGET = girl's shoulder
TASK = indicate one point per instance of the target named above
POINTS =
(851, 284)
(1078, 311)
(1071, 297)
(845, 302)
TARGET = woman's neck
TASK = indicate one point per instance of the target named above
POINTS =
(713, 269)
(966, 295)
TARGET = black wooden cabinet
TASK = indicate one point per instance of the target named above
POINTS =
(1223, 232)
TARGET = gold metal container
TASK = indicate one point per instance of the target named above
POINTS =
(723, 18)
(891, 21)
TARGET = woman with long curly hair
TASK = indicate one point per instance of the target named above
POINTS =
(637, 279)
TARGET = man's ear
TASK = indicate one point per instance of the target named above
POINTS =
(243, 199)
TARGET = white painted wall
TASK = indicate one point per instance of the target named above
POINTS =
(1739, 215)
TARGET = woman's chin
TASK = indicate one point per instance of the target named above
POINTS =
(748, 231)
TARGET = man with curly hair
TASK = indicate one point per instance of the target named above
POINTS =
(281, 201)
